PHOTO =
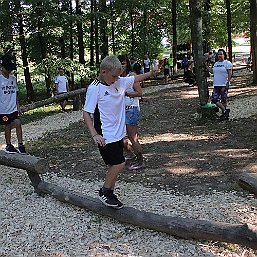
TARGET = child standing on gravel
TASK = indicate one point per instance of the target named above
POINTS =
(104, 115)
(9, 106)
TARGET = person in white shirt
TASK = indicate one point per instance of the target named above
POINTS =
(9, 105)
(222, 74)
(104, 115)
(61, 85)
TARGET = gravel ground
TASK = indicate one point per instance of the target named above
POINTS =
(42, 226)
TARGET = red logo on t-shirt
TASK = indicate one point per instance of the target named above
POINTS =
(5, 118)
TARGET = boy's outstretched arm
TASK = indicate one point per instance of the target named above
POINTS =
(146, 75)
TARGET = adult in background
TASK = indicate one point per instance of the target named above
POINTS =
(147, 64)
(61, 86)
(222, 74)
(132, 118)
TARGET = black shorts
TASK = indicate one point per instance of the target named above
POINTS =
(112, 153)
(6, 119)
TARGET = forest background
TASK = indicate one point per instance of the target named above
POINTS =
(77, 35)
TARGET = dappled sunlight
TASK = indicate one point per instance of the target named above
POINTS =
(169, 137)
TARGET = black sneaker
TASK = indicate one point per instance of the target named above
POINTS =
(21, 149)
(226, 114)
(10, 149)
(108, 199)
(120, 204)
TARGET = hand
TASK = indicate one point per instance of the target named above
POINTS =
(99, 140)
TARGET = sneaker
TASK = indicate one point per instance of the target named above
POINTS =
(137, 166)
(108, 198)
(21, 149)
(226, 114)
(120, 204)
(10, 149)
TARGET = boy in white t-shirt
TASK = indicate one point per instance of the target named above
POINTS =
(104, 115)
(61, 84)
(9, 105)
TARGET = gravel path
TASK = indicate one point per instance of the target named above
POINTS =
(42, 226)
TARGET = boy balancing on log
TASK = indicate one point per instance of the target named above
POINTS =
(104, 115)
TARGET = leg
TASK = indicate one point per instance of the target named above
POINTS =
(132, 131)
(128, 149)
(17, 125)
(112, 175)
(8, 129)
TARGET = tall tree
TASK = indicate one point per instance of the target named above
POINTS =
(103, 28)
(174, 34)
(253, 27)
(229, 29)
(197, 40)
(24, 54)
(80, 32)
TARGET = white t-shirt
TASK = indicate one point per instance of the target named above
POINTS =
(220, 74)
(61, 82)
(8, 94)
(147, 63)
(110, 102)
(155, 64)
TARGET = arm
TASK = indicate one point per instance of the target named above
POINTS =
(98, 139)
(229, 71)
(137, 89)
(144, 76)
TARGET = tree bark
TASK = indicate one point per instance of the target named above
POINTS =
(24, 161)
(253, 30)
(248, 181)
(229, 30)
(53, 99)
(244, 234)
(24, 55)
(197, 39)
(174, 35)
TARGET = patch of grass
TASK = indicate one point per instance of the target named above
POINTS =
(38, 114)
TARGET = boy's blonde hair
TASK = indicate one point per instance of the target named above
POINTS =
(110, 63)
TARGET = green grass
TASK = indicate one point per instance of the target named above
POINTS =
(39, 113)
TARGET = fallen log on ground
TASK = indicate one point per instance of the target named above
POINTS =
(244, 234)
(24, 161)
(53, 99)
(248, 181)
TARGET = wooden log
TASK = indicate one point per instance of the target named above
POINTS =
(24, 161)
(243, 234)
(248, 181)
(53, 99)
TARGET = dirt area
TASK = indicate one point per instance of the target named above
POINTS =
(181, 153)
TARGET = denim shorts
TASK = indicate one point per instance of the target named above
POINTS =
(132, 115)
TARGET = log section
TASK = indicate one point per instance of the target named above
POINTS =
(243, 234)
(24, 161)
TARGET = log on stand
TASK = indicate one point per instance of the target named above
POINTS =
(244, 234)
(248, 181)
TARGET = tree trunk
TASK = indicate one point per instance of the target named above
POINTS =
(80, 32)
(206, 26)
(229, 30)
(29, 87)
(197, 39)
(132, 33)
(253, 26)
(92, 15)
(71, 42)
(244, 234)
(103, 29)
(42, 44)
(113, 27)
(174, 35)
(97, 54)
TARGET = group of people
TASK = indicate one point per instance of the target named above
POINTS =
(111, 111)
